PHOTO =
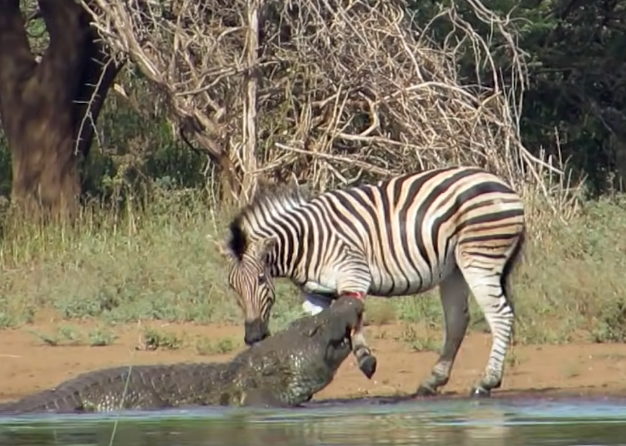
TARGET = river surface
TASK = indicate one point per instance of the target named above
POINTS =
(459, 422)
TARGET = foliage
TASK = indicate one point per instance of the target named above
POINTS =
(575, 92)
(578, 86)
(136, 146)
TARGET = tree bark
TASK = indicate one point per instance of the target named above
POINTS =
(48, 109)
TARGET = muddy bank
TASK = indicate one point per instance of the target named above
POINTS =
(593, 370)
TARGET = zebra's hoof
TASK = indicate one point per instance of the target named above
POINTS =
(425, 391)
(480, 392)
(368, 366)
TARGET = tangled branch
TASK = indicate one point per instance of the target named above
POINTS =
(346, 90)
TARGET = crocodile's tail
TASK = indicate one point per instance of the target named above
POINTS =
(66, 400)
(149, 386)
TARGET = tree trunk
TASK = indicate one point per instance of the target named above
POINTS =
(48, 109)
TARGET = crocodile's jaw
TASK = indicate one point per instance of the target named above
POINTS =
(318, 375)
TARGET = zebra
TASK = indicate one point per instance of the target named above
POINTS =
(459, 228)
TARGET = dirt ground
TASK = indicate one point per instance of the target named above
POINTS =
(27, 366)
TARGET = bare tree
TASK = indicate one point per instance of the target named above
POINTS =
(345, 90)
(48, 106)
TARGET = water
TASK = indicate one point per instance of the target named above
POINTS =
(494, 422)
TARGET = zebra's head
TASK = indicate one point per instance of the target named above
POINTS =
(251, 249)
(250, 278)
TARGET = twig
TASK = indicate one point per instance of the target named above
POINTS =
(360, 164)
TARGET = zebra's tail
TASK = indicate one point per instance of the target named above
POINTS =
(507, 272)
(509, 266)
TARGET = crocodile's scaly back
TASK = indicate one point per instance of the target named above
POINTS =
(285, 369)
(138, 387)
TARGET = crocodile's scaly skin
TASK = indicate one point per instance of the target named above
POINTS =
(283, 370)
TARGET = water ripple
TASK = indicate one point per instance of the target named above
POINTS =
(435, 422)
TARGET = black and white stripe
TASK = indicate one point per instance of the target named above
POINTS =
(461, 228)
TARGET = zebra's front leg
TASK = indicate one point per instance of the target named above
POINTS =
(454, 293)
(354, 281)
(314, 304)
(364, 357)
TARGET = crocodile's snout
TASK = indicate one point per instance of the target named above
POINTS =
(255, 332)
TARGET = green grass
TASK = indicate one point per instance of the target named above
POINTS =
(162, 339)
(161, 264)
(69, 335)
(206, 346)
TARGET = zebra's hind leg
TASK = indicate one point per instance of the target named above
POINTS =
(454, 293)
(490, 294)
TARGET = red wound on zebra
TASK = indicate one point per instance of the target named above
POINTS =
(356, 295)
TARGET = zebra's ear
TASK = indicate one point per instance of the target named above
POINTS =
(264, 245)
(223, 249)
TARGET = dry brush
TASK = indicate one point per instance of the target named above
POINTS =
(330, 92)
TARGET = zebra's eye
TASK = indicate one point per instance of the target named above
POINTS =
(262, 279)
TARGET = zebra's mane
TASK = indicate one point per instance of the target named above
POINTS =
(272, 201)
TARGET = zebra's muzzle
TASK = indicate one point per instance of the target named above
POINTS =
(255, 331)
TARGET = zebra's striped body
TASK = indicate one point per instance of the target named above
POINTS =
(458, 228)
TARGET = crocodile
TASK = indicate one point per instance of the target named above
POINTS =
(283, 370)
